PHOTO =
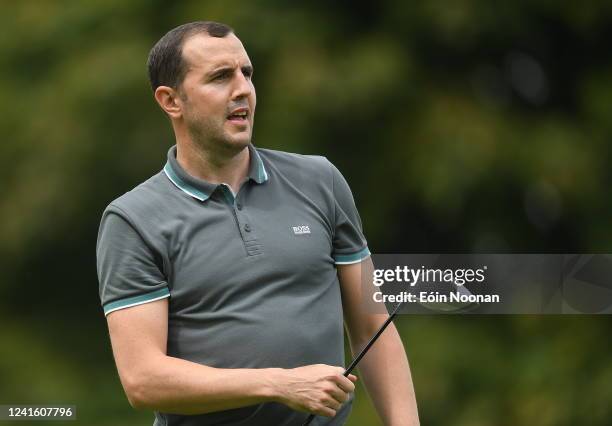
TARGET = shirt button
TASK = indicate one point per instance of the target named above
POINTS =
(239, 206)
(247, 227)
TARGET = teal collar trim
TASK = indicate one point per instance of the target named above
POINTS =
(257, 170)
(202, 190)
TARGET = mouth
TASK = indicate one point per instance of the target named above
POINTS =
(239, 116)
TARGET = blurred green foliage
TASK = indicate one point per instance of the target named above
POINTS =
(461, 126)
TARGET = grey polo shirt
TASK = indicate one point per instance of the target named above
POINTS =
(250, 277)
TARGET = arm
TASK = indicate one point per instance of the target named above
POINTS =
(153, 380)
(384, 368)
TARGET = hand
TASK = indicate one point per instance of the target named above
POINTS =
(318, 389)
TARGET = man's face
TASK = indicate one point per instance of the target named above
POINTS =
(217, 92)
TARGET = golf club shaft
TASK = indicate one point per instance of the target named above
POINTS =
(356, 360)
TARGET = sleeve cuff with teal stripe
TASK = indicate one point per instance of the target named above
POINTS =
(136, 300)
(347, 259)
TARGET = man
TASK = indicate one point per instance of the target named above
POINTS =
(224, 277)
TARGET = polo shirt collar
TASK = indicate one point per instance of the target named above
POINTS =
(201, 189)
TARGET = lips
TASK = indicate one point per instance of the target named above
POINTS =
(238, 115)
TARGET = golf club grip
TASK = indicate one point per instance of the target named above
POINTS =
(356, 360)
(308, 420)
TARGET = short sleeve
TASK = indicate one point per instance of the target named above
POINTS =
(349, 243)
(128, 273)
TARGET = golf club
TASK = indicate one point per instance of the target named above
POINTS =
(356, 360)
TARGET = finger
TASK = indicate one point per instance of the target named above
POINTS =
(339, 371)
(332, 403)
(345, 385)
(325, 411)
(353, 378)
(339, 395)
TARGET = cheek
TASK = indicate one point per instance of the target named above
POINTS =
(208, 99)
(253, 97)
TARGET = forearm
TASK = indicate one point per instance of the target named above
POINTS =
(386, 375)
(174, 385)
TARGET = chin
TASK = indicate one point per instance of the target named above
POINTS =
(238, 143)
(240, 138)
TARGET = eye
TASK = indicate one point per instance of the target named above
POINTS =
(247, 72)
(221, 76)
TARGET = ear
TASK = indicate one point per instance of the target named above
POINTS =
(169, 100)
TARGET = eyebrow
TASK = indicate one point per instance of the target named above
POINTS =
(226, 68)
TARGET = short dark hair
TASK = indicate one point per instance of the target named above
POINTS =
(165, 64)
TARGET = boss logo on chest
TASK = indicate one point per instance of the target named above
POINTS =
(301, 229)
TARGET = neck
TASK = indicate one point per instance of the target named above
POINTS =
(214, 166)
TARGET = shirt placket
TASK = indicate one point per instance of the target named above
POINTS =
(244, 224)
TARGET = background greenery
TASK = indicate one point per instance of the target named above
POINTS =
(461, 126)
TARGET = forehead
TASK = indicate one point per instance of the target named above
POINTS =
(204, 52)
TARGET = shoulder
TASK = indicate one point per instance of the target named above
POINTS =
(296, 164)
(144, 200)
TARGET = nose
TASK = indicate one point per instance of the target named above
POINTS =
(243, 87)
